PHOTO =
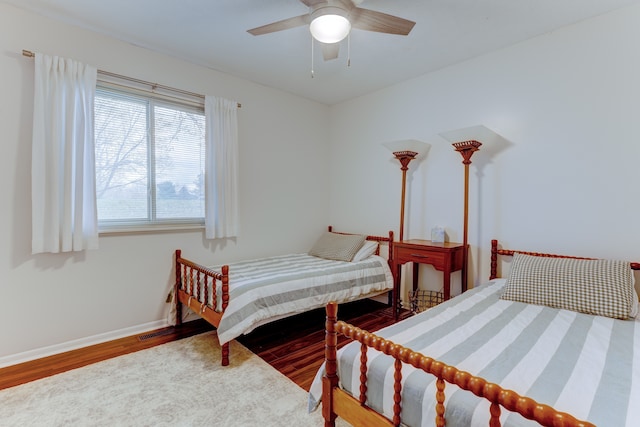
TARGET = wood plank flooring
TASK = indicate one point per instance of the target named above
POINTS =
(294, 346)
(47, 366)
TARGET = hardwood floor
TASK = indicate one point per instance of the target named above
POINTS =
(294, 346)
(47, 366)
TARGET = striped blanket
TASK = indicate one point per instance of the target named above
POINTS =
(267, 289)
(588, 366)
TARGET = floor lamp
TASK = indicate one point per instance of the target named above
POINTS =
(466, 148)
(405, 151)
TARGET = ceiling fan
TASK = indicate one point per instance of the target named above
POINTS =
(330, 21)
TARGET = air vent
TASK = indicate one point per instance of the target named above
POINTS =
(154, 334)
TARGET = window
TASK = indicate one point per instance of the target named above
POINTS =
(149, 161)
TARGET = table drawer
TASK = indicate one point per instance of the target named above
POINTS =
(437, 259)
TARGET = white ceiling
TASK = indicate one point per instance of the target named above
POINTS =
(213, 33)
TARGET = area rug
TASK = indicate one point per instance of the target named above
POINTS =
(176, 384)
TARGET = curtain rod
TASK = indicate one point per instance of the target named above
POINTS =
(30, 54)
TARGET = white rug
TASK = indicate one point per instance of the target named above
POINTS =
(176, 384)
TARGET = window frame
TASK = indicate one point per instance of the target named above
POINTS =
(152, 100)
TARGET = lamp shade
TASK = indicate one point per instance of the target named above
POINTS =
(405, 151)
(408, 145)
(329, 24)
(478, 133)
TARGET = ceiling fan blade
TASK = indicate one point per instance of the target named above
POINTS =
(370, 20)
(312, 3)
(285, 24)
(330, 50)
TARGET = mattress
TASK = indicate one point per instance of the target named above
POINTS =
(271, 288)
(586, 365)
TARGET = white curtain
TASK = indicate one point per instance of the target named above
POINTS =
(64, 212)
(221, 168)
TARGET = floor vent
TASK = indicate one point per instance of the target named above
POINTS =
(158, 333)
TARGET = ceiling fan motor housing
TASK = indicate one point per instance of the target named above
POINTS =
(330, 24)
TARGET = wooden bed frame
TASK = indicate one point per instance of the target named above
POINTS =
(337, 402)
(199, 279)
(495, 251)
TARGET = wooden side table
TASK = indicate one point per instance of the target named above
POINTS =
(446, 257)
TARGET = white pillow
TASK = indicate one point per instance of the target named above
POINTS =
(368, 248)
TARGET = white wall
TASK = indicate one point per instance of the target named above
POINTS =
(53, 300)
(566, 102)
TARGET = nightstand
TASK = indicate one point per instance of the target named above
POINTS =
(446, 257)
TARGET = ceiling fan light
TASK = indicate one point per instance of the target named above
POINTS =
(330, 28)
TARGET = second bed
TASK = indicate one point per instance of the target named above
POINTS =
(236, 298)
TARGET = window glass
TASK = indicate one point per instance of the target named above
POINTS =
(179, 163)
(149, 161)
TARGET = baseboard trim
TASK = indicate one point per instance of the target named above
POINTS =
(39, 353)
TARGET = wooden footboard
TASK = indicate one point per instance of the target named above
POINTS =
(193, 282)
(336, 402)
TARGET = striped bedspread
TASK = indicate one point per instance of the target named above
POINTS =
(271, 288)
(588, 366)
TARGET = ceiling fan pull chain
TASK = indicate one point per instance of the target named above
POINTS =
(349, 50)
(312, 57)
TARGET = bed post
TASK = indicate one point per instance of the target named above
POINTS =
(176, 287)
(330, 379)
(225, 303)
(390, 256)
(494, 260)
(392, 294)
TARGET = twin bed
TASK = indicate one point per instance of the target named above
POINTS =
(560, 330)
(239, 297)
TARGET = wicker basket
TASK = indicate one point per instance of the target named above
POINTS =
(422, 300)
